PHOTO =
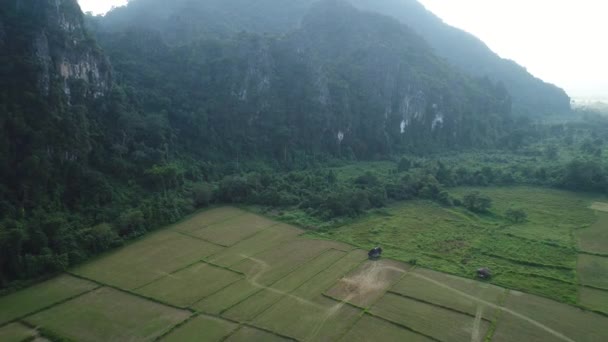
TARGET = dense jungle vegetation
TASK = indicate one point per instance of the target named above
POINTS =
(344, 113)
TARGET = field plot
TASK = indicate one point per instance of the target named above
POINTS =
(226, 298)
(17, 332)
(595, 238)
(267, 296)
(269, 237)
(188, 286)
(368, 283)
(547, 220)
(318, 319)
(272, 265)
(451, 292)
(593, 270)
(247, 334)
(430, 320)
(546, 320)
(40, 296)
(109, 315)
(370, 328)
(201, 329)
(233, 230)
(207, 217)
(146, 260)
(594, 299)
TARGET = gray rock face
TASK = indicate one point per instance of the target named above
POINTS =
(61, 46)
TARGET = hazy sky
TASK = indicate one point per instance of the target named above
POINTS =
(561, 41)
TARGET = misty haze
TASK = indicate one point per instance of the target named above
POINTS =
(303, 170)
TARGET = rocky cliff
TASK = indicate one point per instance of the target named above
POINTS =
(51, 36)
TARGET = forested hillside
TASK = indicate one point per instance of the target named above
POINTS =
(184, 20)
(162, 107)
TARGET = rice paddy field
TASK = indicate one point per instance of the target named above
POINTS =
(268, 281)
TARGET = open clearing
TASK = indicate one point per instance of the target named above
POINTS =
(276, 285)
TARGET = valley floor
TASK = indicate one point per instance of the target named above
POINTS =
(227, 274)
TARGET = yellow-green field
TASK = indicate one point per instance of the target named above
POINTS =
(263, 281)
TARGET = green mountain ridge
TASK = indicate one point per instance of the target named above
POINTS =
(187, 19)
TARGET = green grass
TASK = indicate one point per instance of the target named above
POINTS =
(572, 322)
(320, 318)
(42, 295)
(109, 315)
(200, 329)
(266, 297)
(17, 332)
(247, 334)
(548, 219)
(593, 270)
(275, 263)
(595, 238)
(442, 324)
(226, 298)
(146, 260)
(207, 217)
(594, 299)
(370, 328)
(430, 286)
(266, 239)
(229, 232)
(538, 256)
(190, 285)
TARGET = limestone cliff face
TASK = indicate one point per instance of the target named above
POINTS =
(52, 32)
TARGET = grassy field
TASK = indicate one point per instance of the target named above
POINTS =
(276, 285)
(202, 328)
(537, 256)
(41, 296)
(272, 236)
(176, 289)
(17, 332)
(109, 315)
(430, 287)
(595, 238)
(430, 320)
(228, 232)
(564, 320)
(593, 270)
(594, 299)
(147, 260)
(370, 328)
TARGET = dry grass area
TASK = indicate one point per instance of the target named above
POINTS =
(600, 206)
